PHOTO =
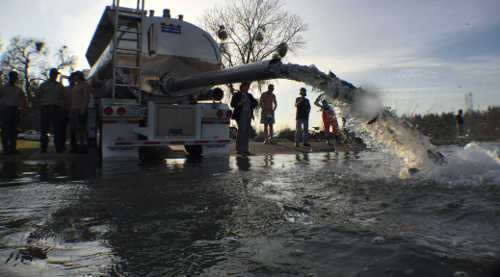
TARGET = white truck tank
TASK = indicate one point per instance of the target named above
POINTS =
(170, 46)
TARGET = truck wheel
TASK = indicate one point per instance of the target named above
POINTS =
(193, 150)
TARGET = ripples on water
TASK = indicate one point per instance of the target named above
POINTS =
(321, 214)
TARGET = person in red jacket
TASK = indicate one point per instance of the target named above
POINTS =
(328, 116)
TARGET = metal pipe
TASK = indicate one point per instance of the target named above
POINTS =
(265, 70)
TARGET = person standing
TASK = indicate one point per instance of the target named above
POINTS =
(460, 124)
(268, 105)
(243, 104)
(302, 118)
(328, 116)
(66, 109)
(12, 99)
(51, 94)
(78, 117)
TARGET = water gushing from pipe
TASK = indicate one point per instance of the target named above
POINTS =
(377, 126)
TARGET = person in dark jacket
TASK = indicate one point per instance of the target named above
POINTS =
(460, 124)
(302, 118)
(12, 100)
(243, 104)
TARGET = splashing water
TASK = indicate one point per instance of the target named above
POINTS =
(378, 127)
(471, 165)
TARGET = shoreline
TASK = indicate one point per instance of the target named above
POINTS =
(30, 151)
(256, 148)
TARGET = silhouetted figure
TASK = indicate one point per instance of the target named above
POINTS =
(51, 95)
(302, 118)
(78, 117)
(12, 100)
(460, 124)
(243, 104)
(268, 105)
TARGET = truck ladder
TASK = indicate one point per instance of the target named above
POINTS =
(127, 42)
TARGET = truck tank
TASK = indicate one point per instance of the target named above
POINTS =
(170, 47)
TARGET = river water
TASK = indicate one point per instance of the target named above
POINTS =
(308, 214)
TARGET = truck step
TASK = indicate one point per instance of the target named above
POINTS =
(128, 49)
(128, 39)
(127, 85)
(127, 66)
(127, 31)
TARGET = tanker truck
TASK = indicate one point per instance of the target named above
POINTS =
(151, 81)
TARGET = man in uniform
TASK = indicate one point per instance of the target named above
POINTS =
(66, 110)
(51, 94)
(244, 104)
(78, 117)
(12, 98)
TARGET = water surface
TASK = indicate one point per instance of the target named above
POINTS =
(318, 214)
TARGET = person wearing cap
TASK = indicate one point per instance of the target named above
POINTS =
(80, 98)
(243, 104)
(302, 118)
(12, 99)
(328, 116)
(51, 94)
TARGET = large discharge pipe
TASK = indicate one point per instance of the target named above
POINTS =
(266, 70)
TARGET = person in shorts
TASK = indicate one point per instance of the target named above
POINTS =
(268, 105)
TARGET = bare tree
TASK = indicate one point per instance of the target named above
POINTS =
(251, 30)
(65, 60)
(2, 76)
(25, 55)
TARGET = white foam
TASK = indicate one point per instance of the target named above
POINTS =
(469, 165)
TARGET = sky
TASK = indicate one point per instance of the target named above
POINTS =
(420, 56)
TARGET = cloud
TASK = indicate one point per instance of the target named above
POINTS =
(473, 41)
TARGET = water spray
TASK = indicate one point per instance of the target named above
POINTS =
(376, 125)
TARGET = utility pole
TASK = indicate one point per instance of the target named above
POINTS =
(468, 101)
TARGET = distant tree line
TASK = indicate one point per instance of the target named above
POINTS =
(442, 128)
(32, 60)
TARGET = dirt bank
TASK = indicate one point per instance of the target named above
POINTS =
(281, 146)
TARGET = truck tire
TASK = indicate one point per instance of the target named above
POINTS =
(193, 150)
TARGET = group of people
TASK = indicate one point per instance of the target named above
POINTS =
(302, 118)
(244, 103)
(59, 106)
